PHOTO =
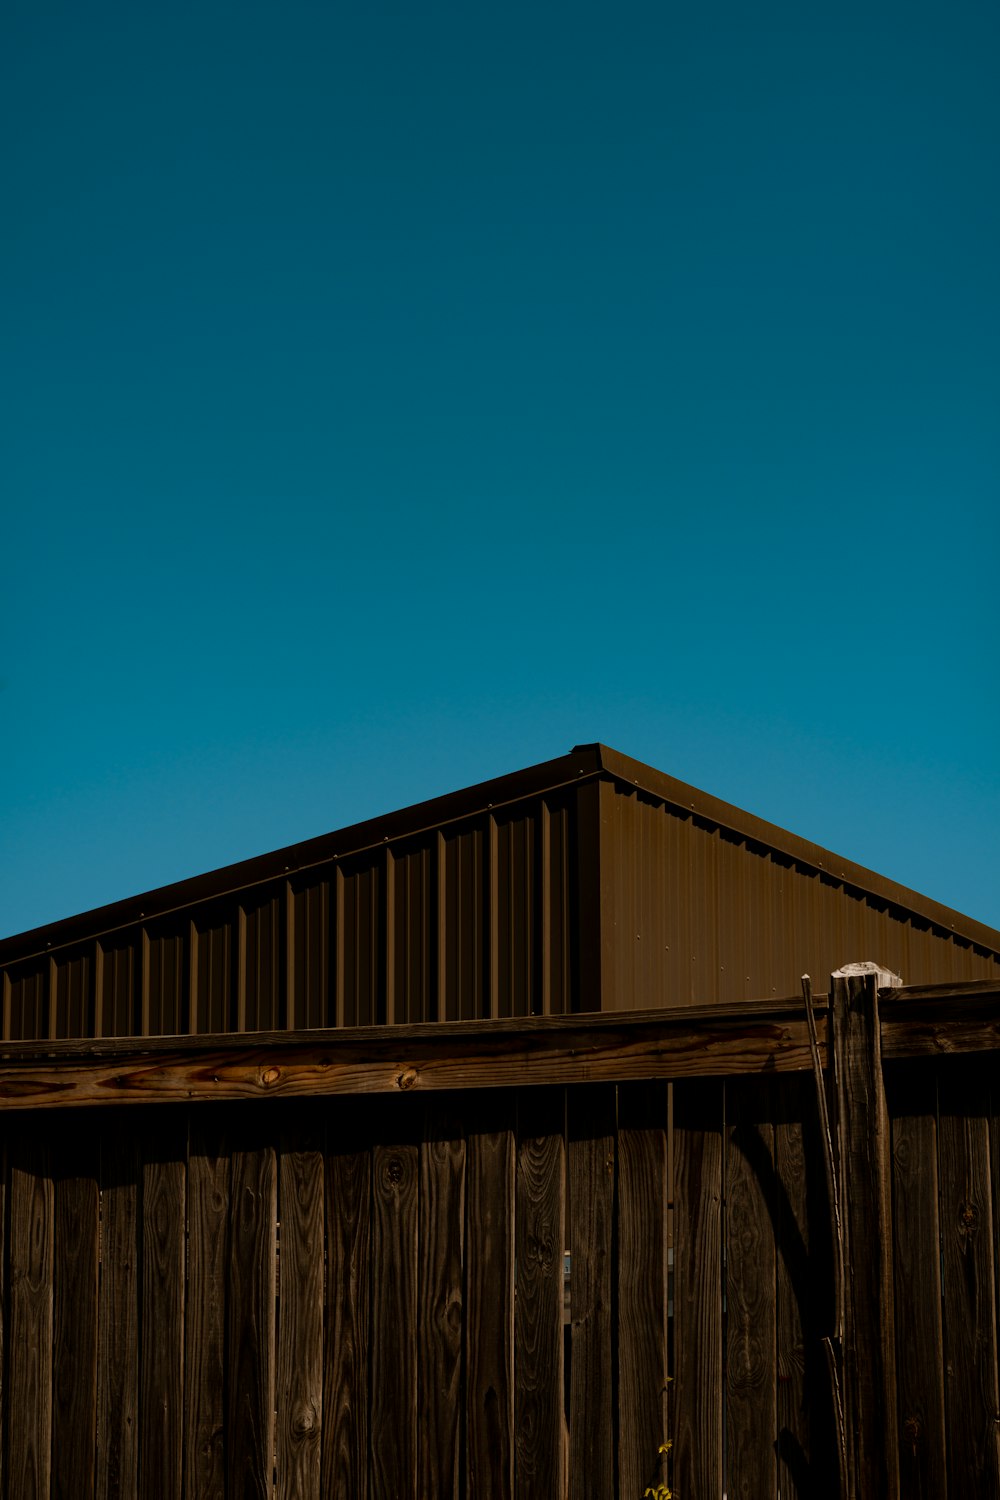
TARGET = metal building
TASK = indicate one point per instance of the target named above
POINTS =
(587, 883)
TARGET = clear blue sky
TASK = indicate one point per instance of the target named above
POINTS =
(393, 396)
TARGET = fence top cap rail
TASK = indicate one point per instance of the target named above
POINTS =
(513, 1030)
(583, 763)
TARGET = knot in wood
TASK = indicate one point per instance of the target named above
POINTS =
(394, 1171)
(540, 1250)
(970, 1218)
(269, 1076)
(912, 1427)
(304, 1422)
(407, 1078)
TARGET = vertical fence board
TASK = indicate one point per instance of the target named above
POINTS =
(751, 1355)
(74, 1363)
(696, 1425)
(642, 1288)
(118, 1315)
(489, 1384)
(538, 1336)
(911, 1094)
(590, 1113)
(348, 1300)
(29, 1408)
(161, 1367)
(968, 1276)
(442, 1246)
(995, 1189)
(300, 1325)
(4, 1328)
(798, 1474)
(395, 1201)
(250, 1344)
(205, 1310)
(865, 1189)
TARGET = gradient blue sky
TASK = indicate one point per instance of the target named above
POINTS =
(396, 395)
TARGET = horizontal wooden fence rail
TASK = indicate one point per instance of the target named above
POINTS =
(719, 1040)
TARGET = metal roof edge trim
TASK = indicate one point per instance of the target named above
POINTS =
(581, 764)
(689, 799)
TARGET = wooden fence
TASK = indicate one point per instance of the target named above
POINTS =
(432, 1270)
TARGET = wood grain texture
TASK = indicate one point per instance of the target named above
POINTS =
(205, 1309)
(642, 1285)
(720, 1040)
(250, 1316)
(993, 1086)
(803, 1467)
(591, 1128)
(968, 1273)
(395, 1207)
(539, 1420)
(348, 1301)
(300, 1326)
(442, 1302)
(696, 1422)
(863, 1152)
(161, 1356)
(751, 1337)
(4, 1328)
(489, 1382)
(911, 1097)
(29, 1394)
(75, 1276)
(118, 1317)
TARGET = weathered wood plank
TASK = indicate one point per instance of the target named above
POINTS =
(29, 1395)
(911, 1099)
(489, 1382)
(300, 1341)
(348, 1301)
(441, 1299)
(118, 1319)
(4, 1328)
(398, 1060)
(696, 1407)
(74, 1361)
(798, 1475)
(751, 1339)
(357, 1039)
(642, 1285)
(539, 1419)
(250, 1345)
(395, 1194)
(968, 1273)
(591, 1123)
(902, 998)
(913, 1036)
(205, 1309)
(863, 1151)
(161, 1356)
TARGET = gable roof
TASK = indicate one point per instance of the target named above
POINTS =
(535, 890)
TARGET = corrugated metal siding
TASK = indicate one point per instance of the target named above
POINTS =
(588, 883)
(695, 913)
(468, 921)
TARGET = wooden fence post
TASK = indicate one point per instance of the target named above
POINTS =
(865, 1186)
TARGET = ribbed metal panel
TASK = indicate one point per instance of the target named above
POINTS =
(694, 913)
(311, 945)
(587, 883)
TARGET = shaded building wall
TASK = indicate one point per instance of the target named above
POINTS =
(599, 894)
(695, 913)
(473, 920)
